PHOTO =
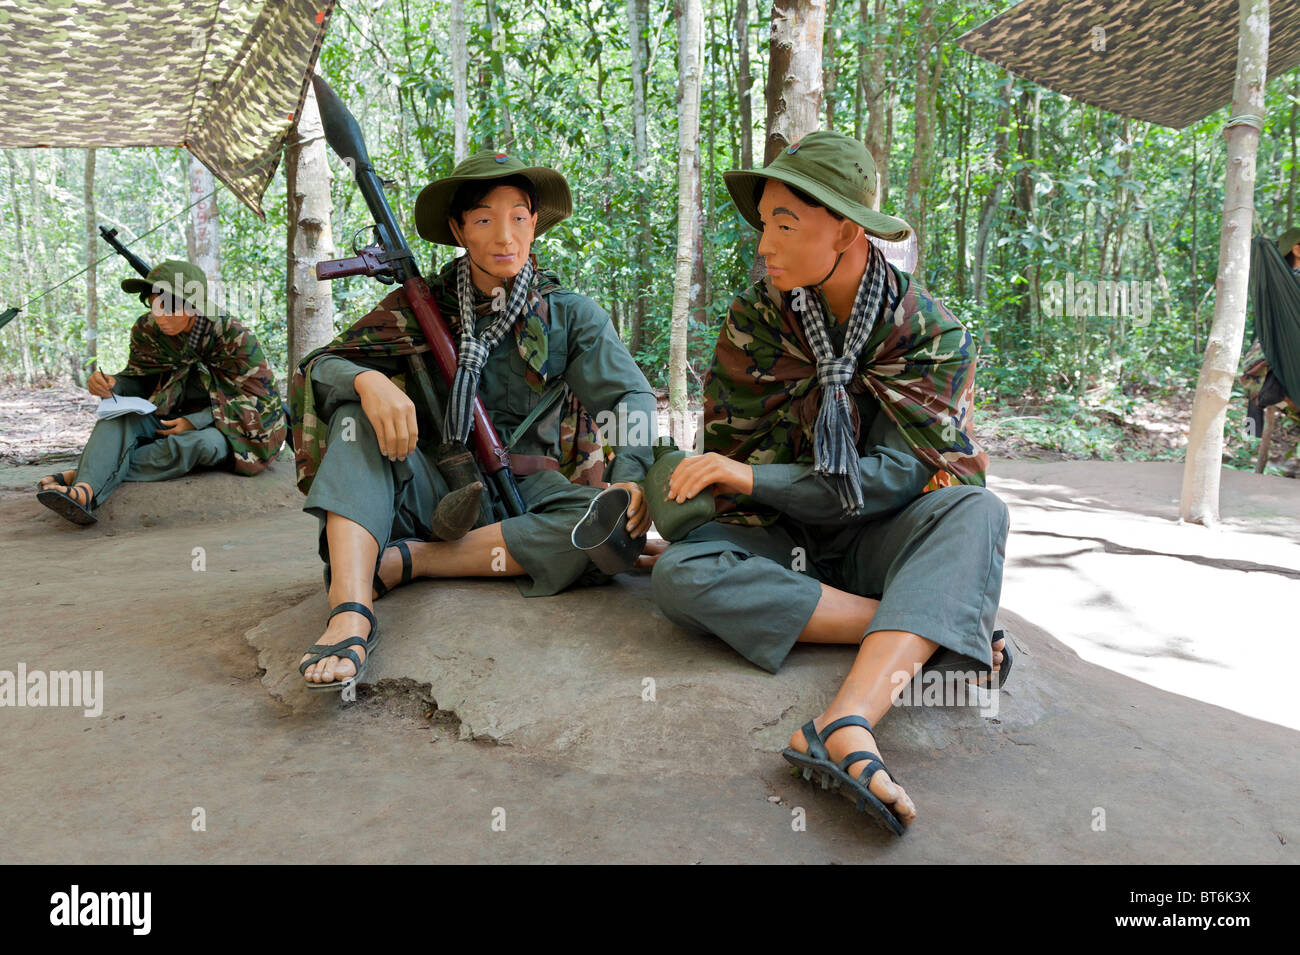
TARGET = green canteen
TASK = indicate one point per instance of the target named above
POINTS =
(673, 521)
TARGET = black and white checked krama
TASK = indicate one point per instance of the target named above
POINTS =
(834, 451)
(474, 352)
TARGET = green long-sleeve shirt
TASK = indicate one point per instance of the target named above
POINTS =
(583, 348)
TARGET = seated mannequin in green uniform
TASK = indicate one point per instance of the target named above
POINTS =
(850, 507)
(217, 403)
(377, 490)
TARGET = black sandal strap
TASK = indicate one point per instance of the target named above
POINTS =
(815, 748)
(340, 650)
(352, 606)
(842, 722)
(406, 560)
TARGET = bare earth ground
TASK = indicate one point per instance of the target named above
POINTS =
(1152, 689)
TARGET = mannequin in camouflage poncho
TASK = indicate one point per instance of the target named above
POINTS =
(850, 500)
(217, 402)
(368, 455)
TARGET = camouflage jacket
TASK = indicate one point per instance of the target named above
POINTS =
(761, 395)
(246, 405)
(391, 330)
(1254, 370)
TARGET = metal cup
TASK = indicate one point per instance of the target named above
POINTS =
(602, 532)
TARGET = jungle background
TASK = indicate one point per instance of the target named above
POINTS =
(1011, 187)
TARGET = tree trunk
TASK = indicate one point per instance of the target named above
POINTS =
(309, 303)
(690, 30)
(38, 194)
(499, 73)
(918, 175)
(828, 64)
(92, 287)
(990, 206)
(1154, 249)
(21, 323)
(1201, 471)
(459, 81)
(744, 83)
(203, 234)
(794, 79)
(1195, 272)
(874, 85)
(1290, 180)
(962, 185)
(1026, 136)
(637, 17)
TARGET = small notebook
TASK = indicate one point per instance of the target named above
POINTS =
(115, 407)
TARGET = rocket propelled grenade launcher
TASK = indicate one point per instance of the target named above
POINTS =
(137, 263)
(390, 261)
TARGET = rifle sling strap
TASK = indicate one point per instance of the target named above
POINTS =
(549, 398)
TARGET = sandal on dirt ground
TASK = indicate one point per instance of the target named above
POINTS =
(66, 505)
(342, 649)
(946, 661)
(817, 762)
(378, 584)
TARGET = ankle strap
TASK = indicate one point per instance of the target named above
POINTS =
(353, 607)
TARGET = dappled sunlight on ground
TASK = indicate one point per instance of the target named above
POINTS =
(1207, 613)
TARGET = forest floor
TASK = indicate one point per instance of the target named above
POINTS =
(1150, 715)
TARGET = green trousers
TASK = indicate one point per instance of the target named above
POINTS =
(396, 499)
(127, 448)
(935, 565)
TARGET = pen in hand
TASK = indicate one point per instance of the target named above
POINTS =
(111, 395)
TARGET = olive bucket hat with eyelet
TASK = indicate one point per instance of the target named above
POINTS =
(834, 169)
(433, 206)
(181, 280)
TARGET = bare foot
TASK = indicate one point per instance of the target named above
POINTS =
(48, 481)
(650, 552)
(81, 492)
(332, 669)
(849, 739)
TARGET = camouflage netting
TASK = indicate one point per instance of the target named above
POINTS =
(1170, 62)
(223, 77)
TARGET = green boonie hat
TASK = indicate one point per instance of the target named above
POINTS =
(834, 169)
(432, 208)
(1288, 239)
(181, 279)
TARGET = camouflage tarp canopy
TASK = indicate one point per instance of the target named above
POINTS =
(1170, 62)
(223, 77)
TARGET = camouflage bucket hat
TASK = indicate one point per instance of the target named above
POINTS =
(834, 169)
(1287, 240)
(554, 203)
(179, 279)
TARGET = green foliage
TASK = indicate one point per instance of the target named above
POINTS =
(552, 83)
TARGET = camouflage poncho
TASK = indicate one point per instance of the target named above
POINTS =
(1255, 372)
(761, 396)
(246, 405)
(391, 330)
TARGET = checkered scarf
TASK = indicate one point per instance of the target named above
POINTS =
(834, 448)
(474, 352)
